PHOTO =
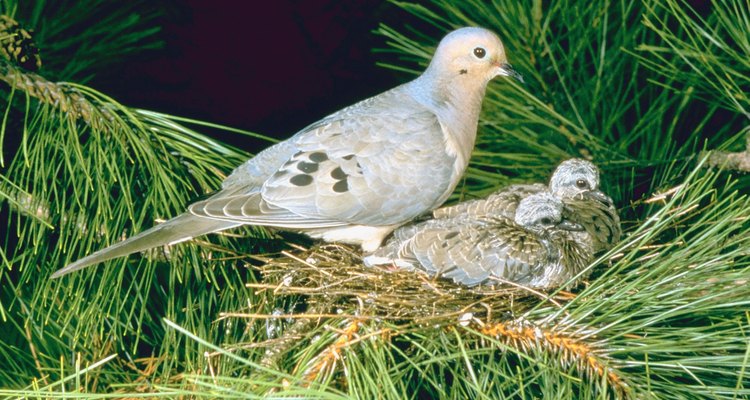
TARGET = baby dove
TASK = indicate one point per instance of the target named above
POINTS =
(597, 216)
(576, 183)
(535, 249)
(359, 173)
(570, 178)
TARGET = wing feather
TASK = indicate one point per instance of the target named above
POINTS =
(469, 251)
(378, 163)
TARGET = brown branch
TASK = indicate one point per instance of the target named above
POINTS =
(325, 362)
(739, 161)
(34, 354)
(65, 98)
(571, 350)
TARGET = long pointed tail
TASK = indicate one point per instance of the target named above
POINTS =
(178, 229)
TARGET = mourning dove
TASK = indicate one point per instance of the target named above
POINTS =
(359, 173)
(598, 216)
(534, 249)
(570, 178)
(576, 183)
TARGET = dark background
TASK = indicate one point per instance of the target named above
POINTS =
(267, 67)
(271, 69)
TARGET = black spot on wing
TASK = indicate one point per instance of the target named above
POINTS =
(301, 180)
(318, 157)
(341, 186)
(349, 157)
(338, 174)
(307, 167)
(451, 235)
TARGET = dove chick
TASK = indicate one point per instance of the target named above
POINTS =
(598, 216)
(570, 178)
(535, 248)
(359, 173)
(576, 183)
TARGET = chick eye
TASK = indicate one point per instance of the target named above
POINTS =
(546, 221)
(582, 184)
(480, 52)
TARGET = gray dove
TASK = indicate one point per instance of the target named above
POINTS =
(598, 217)
(571, 177)
(359, 173)
(534, 249)
(576, 183)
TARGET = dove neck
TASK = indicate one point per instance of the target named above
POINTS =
(456, 101)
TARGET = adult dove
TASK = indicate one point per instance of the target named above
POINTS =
(534, 249)
(359, 173)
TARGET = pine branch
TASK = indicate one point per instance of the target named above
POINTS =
(570, 350)
(325, 362)
(710, 53)
(80, 39)
(664, 313)
(59, 95)
(17, 44)
(738, 161)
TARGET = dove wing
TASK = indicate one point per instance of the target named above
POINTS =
(501, 203)
(470, 251)
(599, 220)
(379, 162)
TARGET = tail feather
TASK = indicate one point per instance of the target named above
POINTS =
(178, 229)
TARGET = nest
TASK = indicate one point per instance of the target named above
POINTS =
(333, 280)
(340, 292)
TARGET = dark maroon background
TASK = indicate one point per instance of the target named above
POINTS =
(271, 69)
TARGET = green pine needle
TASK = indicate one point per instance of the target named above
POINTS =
(642, 88)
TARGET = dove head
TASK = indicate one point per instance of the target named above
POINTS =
(542, 211)
(470, 54)
(573, 177)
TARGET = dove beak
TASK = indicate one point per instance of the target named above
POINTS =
(600, 196)
(505, 69)
(570, 226)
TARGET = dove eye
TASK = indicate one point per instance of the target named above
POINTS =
(480, 52)
(582, 184)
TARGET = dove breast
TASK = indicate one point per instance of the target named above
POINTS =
(601, 223)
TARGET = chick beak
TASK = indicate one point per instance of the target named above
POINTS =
(570, 226)
(600, 196)
(505, 69)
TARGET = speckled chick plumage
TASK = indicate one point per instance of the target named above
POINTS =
(534, 249)
(477, 225)
(576, 183)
